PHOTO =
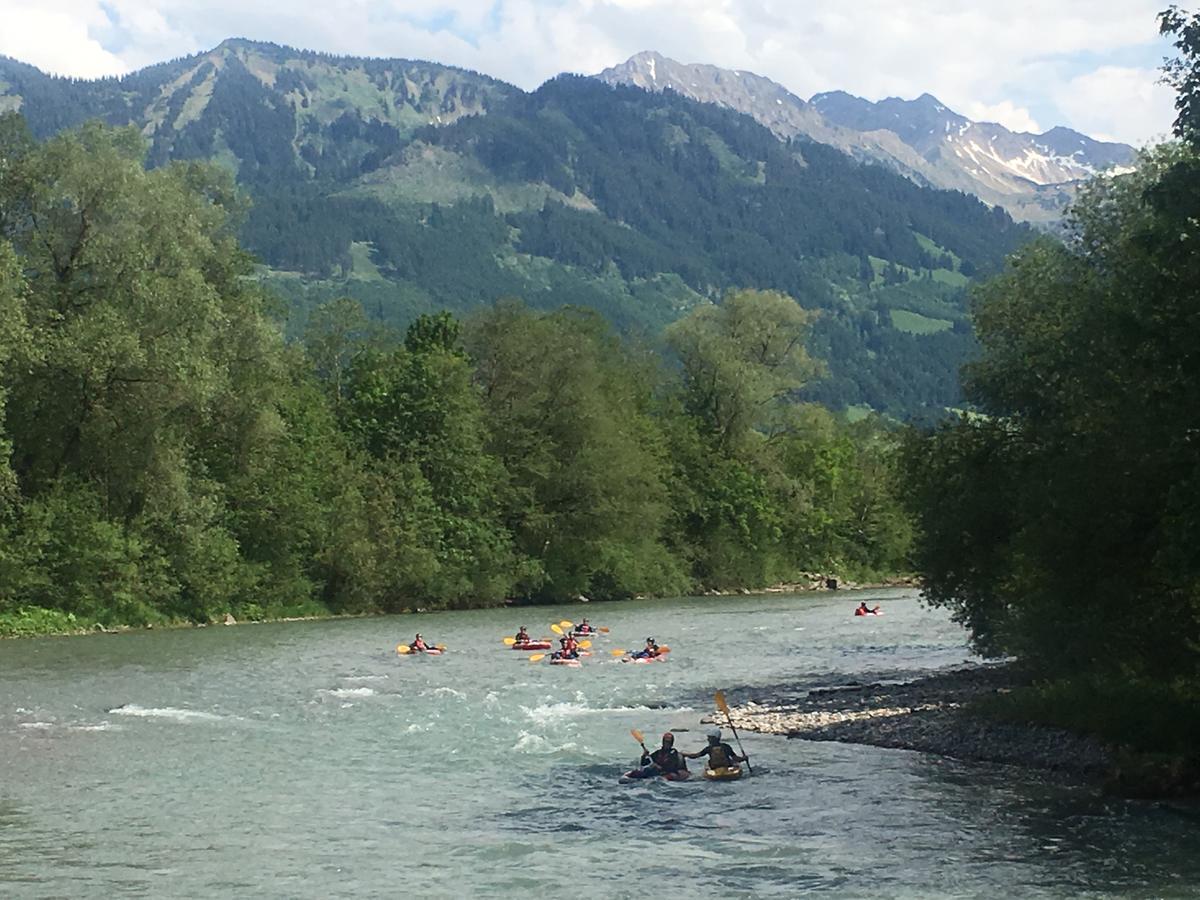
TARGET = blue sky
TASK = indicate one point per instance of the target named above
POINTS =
(1029, 64)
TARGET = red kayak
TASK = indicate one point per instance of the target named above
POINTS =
(662, 657)
(532, 645)
(870, 612)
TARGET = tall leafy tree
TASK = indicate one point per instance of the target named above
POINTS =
(568, 415)
(1063, 524)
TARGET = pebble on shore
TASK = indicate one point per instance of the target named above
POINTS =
(930, 714)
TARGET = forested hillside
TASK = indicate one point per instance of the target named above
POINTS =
(414, 187)
(165, 455)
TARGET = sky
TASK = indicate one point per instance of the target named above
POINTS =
(1091, 65)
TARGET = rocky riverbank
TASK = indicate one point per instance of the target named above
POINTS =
(931, 714)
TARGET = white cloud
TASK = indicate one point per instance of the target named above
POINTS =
(1018, 61)
(58, 37)
(1121, 104)
(1006, 113)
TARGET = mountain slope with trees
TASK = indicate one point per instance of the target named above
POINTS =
(414, 187)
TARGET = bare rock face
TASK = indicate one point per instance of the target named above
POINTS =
(1033, 176)
(229, 619)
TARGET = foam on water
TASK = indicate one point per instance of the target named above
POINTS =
(350, 692)
(166, 712)
(548, 713)
(528, 742)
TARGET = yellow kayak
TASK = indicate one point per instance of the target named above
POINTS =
(724, 773)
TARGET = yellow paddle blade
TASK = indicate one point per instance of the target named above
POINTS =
(567, 623)
(441, 647)
(617, 652)
(721, 704)
(557, 629)
(662, 650)
(603, 629)
(403, 648)
(638, 736)
(537, 657)
(510, 641)
(584, 645)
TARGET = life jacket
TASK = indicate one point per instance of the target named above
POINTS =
(718, 756)
(667, 760)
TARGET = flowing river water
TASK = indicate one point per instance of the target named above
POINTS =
(309, 760)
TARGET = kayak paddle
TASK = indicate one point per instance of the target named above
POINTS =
(567, 623)
(537, 657)
(403, 648)
(510, 641)
(724, 707)
(584, 645)
(557, 629)
(639, 737)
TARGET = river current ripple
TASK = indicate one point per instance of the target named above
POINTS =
(308, 760)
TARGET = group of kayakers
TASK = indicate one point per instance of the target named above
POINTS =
(668, 761)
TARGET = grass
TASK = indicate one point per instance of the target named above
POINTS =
(362, 267)
(915, 323)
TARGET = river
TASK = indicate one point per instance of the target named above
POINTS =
(308, 760)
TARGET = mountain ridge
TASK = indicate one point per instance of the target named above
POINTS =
(1033, 176)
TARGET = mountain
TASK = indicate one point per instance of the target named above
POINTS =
(266, 111)
(1031, 175)
(415, 187)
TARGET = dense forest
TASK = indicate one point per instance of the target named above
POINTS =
(167, 455)
(414, 187)
(1061, 521)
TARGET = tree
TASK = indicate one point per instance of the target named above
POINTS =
(568, 415)
(1062, 525)
(415, 407)
(742, 360)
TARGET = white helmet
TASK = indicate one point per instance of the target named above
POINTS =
(714, 734)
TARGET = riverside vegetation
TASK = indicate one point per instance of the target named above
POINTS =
(166, 456)
(1061, 524)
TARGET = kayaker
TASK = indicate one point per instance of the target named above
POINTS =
(720, 755)
(418, 645)
(663, 761)
(585, 628)
(864, 611)
(522, 636)
(569, 648)
(649, 651)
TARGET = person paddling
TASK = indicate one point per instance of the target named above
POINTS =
(720, 755)
(418, 645)
(569, 648)
(864, 611)
(650, 651)
(522, 636)
(666, 760)
(585, 628)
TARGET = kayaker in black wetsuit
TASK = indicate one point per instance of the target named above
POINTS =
(666, 760)
(864, 611)
(649, 651)
(418, 645)
(522, 636)
(584, 628)
(720, 754)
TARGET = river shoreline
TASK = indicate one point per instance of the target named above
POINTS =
(938, 713)
(815, 584)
